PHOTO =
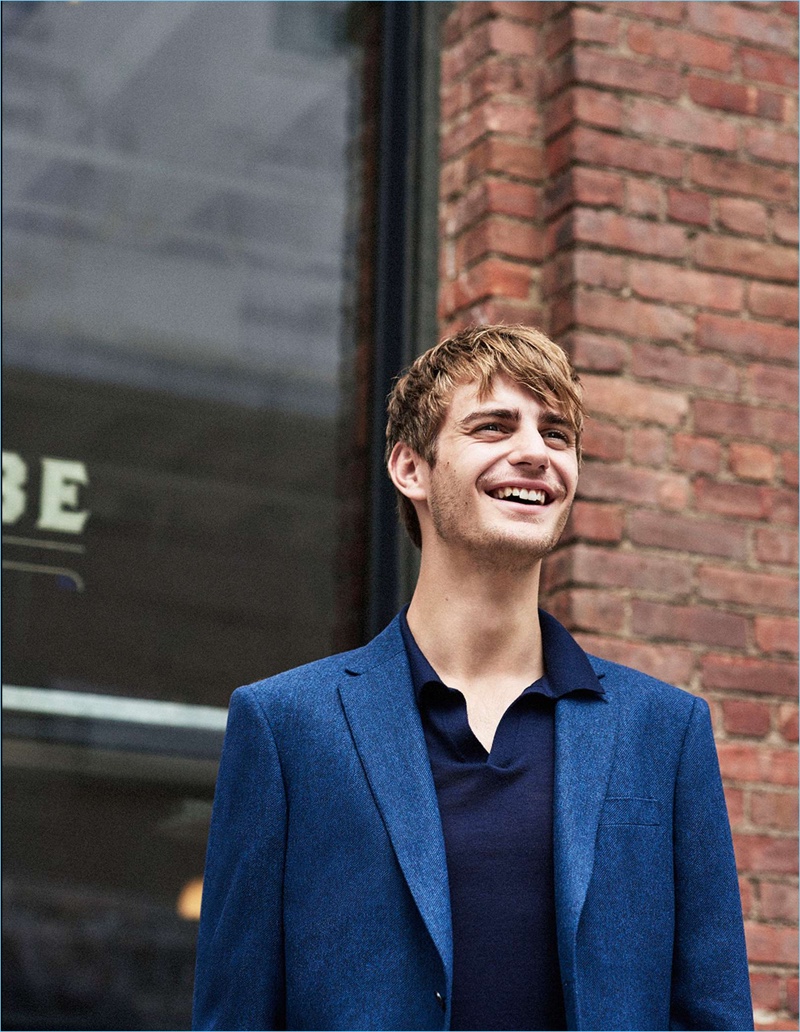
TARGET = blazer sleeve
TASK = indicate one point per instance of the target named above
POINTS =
(710, 983)
(239, 979)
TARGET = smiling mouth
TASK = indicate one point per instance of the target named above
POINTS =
(520, 494)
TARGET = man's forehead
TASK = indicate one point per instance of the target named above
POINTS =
(501, 388)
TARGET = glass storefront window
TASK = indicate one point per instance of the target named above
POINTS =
(182, 188)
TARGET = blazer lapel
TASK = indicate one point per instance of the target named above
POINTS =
(586, 729)
(379, 704)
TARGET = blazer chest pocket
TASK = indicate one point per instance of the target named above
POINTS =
(633, 810)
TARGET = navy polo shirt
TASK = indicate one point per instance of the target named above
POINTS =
(497, 819)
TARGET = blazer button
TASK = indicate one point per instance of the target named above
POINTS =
(440, 1001)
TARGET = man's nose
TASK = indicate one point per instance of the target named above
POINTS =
(529, 448)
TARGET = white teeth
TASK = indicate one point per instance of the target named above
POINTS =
(522, 493)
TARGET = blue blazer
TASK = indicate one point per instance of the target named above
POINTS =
(326, 903)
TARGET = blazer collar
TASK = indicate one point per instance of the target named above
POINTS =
(381, 711)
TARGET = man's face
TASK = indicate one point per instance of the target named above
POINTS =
(488, 451)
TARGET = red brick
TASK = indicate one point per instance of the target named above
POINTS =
(667, 662)
(592, 351)
(777, 545)
(630, 317)
(689, 206)
(767, 991)
(701, 624)
(492, 116)
(756, 762)
(776, 634)
(734, 801)
(686, 533)
(771, 145)
(751, 462)
(641, 486)
(502, 236)
(583, 105)
(593, 26)
(779, 900)
(610, 150)
(493, 276)
(784, 223)
(746, 337)
(662, 282)
(497, 197)
(767, 66)
(679, 47)
(595, 521)
(743, 177)
(787, 721)
(742, 216)
(742, 500)
(583, 186)
(722, 19)
(773, 383)
(507, 157)
(722, 95)
(495, 36)
(601, 68)
(671, 365)
(598, 269)
(781, 505)
(601, 567)
(729, 418)
(644, 198)
(772, 301)
(762, 855)
(648, 446)
(603, 441)
(652, 119)
(745, 717)
(774, 810)
(697, 454)
(586, 610)
(767, 944)
(789, 464)
(653, 10)
(746, 257)
(758, 590)
(743, 674)
(791, 989)
(625, 400)
(611, 230)
(774, 106)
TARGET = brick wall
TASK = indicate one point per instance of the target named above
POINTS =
(624, 175)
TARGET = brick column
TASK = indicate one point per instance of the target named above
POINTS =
(624, 175)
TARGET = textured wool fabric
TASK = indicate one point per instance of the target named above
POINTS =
(326, 900)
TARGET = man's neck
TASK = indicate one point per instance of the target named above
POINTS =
(478, 625)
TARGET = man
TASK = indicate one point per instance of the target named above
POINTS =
(469, 823)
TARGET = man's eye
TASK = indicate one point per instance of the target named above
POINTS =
(559, 435)
(490, 426)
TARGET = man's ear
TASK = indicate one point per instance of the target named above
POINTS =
(409, 472)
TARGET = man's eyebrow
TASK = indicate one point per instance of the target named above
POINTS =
(511, 415)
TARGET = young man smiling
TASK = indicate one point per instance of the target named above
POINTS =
(469, 823)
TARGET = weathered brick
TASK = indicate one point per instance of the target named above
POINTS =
(598, 67)
(644, 198)
(622, 399)
(752, 461)
(768, 944)
(685, 533)
(689, 206)
(493, 196)
(781, 504)
(744, 674)
(743, 178)
(582, 104)
(784, 224)
(773, 383)
(722, 95)
(594, 26)
(630, 317)
(767, 66)
(746, 337)
(776, 634)
(597, 269)
(612, 230)
(492, 116)
(603, 441)
(508, 157)
(734, 801)
(756, 762)
(653, 10)
(746, 257)
(727, 418)
(587, 610)
(696, 454)
(586, 186)
(792, 985)
(493, 276)
(595, 352)
(777, 545)
(746, 717)
(594, 566)
(610, 150)
(648, 446)
(700, 128)
(787, 721)
(789, 465)
(667, 662)
(743, 500)
(767, 990)
(770, 144)
(640, 486)
(663, 282)
(745, 890)
(702, 624)
(774, 810)
(678, 46)
(778, 899)
(595, 521)
(743, 216)
(759, 590)
(671, 365)
(772, 301)
(502, 236)
(722, 19)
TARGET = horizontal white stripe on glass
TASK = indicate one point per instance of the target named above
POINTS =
(59, 703)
